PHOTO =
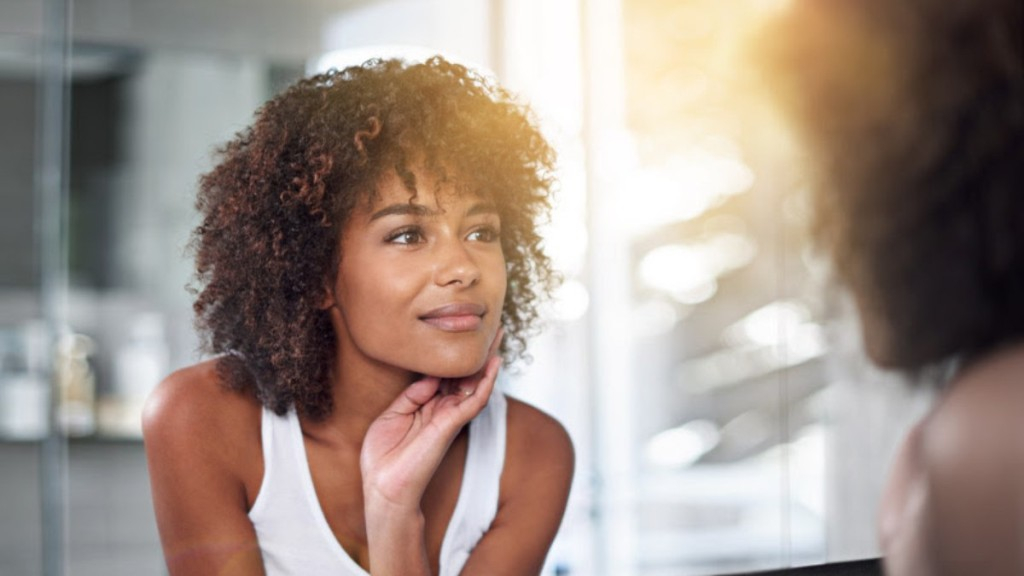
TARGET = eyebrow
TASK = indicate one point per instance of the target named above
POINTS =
(482, 208)
(408, 209)
(403, 209)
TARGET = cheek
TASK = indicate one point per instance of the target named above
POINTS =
(499, 274)
(373, 319)
(356, 295)
(374, 289)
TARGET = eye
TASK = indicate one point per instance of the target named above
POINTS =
(411, 235)
(484, 234)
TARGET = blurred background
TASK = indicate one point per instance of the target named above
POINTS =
(708, 369)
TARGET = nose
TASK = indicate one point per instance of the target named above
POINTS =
(455, 265)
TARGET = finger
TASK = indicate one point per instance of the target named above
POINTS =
(415, 395)
(481, 388)
(490, 377)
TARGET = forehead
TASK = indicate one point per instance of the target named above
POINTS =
(431, 191)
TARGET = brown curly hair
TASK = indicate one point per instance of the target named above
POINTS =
(914, 114)
(274, 207)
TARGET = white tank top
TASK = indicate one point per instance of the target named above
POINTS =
(293, 533)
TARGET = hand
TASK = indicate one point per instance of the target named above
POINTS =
(405, 444)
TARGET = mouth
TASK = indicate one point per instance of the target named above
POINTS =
(458, 317)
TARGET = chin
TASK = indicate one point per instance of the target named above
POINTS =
(453, 364)
(457, 369)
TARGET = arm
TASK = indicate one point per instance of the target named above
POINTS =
(400, 454)
(196, 445)
(535, 484)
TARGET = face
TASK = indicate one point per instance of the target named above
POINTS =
(421, 282)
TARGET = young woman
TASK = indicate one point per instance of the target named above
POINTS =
(364, 246)
(914, 111)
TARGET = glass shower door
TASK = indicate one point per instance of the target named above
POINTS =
(33, 280)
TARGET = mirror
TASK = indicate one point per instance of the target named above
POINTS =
(711, 378)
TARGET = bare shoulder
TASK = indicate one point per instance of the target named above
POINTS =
(972, 457)
(537, 438)
(539, 457)
(979, 418)
(204, 455)
(193, 404)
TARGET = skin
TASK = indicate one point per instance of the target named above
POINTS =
(410, 373)
(953, 503)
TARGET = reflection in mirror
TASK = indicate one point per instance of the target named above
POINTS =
(713, 383)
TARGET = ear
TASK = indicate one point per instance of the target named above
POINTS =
(327, 300)
(328, 288)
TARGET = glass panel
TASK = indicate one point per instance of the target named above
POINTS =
(33, 101)
(24, 389)
(22, 349)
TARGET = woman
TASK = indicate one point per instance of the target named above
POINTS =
(364, 244)
(914, 112)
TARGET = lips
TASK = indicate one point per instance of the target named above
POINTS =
(456, 317)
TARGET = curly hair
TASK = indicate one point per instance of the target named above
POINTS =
(913, 113)
(274, 207)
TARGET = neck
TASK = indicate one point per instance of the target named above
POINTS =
(361, 392)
